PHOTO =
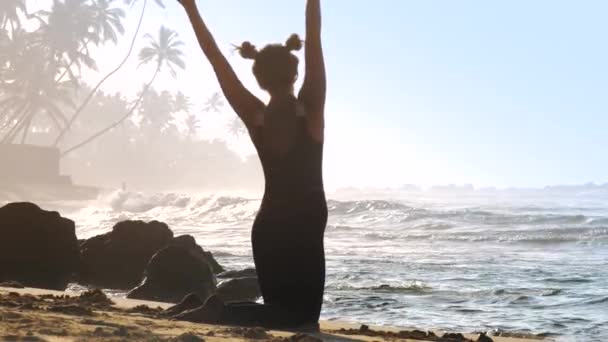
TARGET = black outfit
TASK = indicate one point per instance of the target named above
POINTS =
(287, 237)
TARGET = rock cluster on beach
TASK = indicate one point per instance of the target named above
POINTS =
(172, 273)
(39, 248)
(117, 259)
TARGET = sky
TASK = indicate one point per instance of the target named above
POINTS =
(511, 93)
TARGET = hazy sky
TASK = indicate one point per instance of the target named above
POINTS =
(511, 93)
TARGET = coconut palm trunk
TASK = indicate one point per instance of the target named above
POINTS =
(14, 131)
(26, 129)
(72, 62)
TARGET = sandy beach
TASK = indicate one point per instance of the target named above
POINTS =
(28, 314)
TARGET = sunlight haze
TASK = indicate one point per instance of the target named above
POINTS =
(420, 92)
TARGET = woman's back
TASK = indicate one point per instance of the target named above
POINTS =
(291, 159)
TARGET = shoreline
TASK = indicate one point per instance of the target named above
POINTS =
(57, 316)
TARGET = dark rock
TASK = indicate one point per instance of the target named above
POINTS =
(102, 332)
(483, 337)
(239, 290)
(453, 337)
(248, 272)
(256, 333)
(190, 301)
(95, 298)
(173, 273)
(188, 242)
(38, 248)
(118, 259)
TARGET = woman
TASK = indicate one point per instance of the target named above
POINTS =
(287, 235)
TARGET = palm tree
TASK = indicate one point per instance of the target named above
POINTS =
(192, 125)
(237, 128)
(106, 24)
(165, 53)
(31, 89)
(13, 51)
(181, 103)
(67, 29)
(214, 103)
(115, 70)
(108, 20)
(9, 13)
(156, 111)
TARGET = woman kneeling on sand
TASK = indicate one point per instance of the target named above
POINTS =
(287, 235)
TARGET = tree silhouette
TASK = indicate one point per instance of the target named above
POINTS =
(165, 53)
(192, 125)
(237, 128)
(86, 101)
(214, 103)
(107, 20)
(31, 89)
(67, 29)
(38, 74)
(9, 13)
(181, 103)
(156, 112)
(106, 24)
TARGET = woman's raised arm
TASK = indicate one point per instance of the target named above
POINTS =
(243, 102)
(313, 90)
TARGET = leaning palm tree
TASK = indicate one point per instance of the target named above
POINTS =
(112, 72)
(165, 53)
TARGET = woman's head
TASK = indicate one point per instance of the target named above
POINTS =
(274, 67)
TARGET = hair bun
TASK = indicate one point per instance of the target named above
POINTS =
(294, 43)
(248, 50)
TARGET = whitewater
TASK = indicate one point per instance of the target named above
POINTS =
(518, 262)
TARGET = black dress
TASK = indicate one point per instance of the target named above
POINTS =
(287, 236)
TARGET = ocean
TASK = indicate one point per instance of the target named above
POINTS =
(514, 261)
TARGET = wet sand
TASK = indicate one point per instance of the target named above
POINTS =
(28, 314)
